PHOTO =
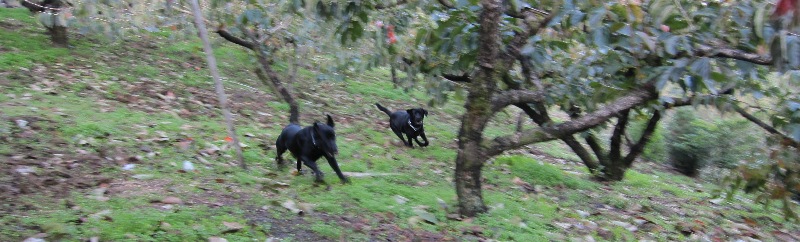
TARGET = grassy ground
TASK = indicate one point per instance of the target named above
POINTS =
(94, 140)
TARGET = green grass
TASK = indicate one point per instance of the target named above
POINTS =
(544, 174)
(422, 176)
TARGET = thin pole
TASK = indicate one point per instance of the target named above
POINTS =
(212, 65)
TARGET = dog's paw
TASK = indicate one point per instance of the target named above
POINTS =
(297, 173)
(346, 181)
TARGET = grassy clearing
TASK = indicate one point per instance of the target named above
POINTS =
(84, 116)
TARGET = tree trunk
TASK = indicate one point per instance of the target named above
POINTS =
(394, 76)
(273, 81)
(471, 155)
(614, 172)
(468, 182)
(58, 35)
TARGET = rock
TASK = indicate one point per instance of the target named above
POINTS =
(562, 225)
(25, 170)
(582, 213)
(217, 239)
(400, 199)
(21, 123)
(231, 227)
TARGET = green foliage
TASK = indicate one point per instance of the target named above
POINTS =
(776, 178)
(695, 143)
(690, 142)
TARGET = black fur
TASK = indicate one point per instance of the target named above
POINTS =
(408, 122)
(308, 144)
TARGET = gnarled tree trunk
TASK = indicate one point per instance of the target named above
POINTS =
(471, 155)
(468, 181)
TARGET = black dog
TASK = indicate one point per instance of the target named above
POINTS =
(407, 122)
(309, 144)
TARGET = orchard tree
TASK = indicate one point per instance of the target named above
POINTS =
(598, 61)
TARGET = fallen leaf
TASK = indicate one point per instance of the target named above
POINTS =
(171, 200)
(454, 216)
(525, 186)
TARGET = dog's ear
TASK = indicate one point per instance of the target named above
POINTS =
(330, 121)
(425, 112)
(410, 112)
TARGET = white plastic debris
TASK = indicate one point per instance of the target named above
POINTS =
(188, 166)
(128, 167)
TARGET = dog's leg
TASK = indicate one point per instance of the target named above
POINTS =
(335, 166)
(400, 135)
(423, 138)
(318, 175)
(410, 144)
(299, 167)
(279, 158)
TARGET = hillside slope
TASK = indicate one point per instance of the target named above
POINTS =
(94, 141)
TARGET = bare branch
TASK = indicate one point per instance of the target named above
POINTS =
(632, 99)
(786, 139)
(638, 148)
(615, 150)
(598, 149)
(454, 78)
(527, 10)
(447, 3)
(505, 98)
(725, 52)
(391, 5)
(233, 39)
(541, 118)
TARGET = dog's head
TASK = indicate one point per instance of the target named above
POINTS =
(327, 137)
(416, 115)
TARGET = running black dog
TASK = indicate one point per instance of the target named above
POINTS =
(309, 144)
(408, 122)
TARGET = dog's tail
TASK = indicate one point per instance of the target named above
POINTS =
(383, 109)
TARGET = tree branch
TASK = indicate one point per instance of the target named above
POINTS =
(786, 139)
(725, 52)
(634, 98)
(505, 98)
(541, 118)
(615, 150)
(454, 78)
(598, 149)
(233, 39)
(391, 5)
(447, 3)
(638, 148)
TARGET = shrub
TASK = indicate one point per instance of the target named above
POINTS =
(689, 142)
(694, 143)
